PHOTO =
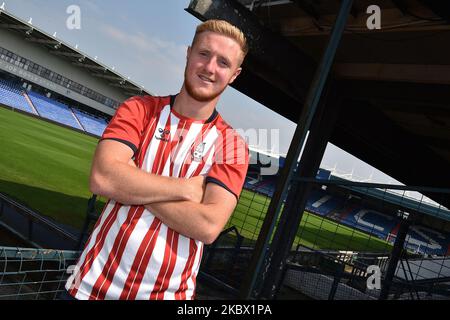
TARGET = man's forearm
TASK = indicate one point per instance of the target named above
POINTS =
(187, 218)
(130, 185)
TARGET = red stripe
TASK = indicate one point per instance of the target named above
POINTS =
(194, 277)
(181, 292)
(96, 224)
(161, 153)
(99, 242)
(140, 262)
(179, 146)
(171, 267)
(165, 272)
(143, 149)
(104, 280)
(187, 161)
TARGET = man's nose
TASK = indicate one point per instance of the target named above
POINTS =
(210, 65)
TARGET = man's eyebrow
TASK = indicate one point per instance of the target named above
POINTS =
(226, 59)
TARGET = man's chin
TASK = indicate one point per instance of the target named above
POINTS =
(203, 97)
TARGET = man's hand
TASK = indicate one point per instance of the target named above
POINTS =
(201, 221)
(196, 188)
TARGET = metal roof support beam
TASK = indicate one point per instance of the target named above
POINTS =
(125, 87)
(395, 257)
(44, 41)
(90, 66)
(105, 76)
(14, 26)
(67, 54)
(266, 265)
(262, 3)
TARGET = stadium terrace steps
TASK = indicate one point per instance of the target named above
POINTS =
(30, 103)
(12, 96)
(90, 123)
(77, 120)
(53, 110)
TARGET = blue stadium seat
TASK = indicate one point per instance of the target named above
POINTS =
(90, 123)
(54, 110)
(12, 95)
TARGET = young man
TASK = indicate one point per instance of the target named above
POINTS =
(173, 170)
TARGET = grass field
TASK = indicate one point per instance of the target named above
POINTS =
(46, 167)
(315, 232)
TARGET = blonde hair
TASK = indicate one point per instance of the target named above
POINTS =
(225, 28)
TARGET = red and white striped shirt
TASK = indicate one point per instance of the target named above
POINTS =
(131, 254)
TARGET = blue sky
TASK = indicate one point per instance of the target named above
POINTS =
(147, 41)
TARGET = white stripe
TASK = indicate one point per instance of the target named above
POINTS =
(166, 271)
(97, 266)
(190, 138)
(195, 267)
(209, 141)
(129, 254)
(154, 265)
(182, 259)
(154, 143)
(168, 146)
(115, 259)
(208, 162)
(93, 238)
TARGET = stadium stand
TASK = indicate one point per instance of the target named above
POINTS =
(359, 217)
(12, 95)
(53, 110)
(370, 221)
(322, 203)
(90, 123)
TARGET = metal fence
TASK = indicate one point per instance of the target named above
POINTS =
(34, 274)
(350, 235)
(346, 229)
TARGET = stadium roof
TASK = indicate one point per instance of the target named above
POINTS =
(394, 83)
(74, 56)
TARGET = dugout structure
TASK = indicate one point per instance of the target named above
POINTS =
(381, 95)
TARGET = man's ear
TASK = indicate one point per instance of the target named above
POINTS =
(235, 75)
(188, 52)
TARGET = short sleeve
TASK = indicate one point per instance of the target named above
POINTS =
(128, 122)
(231, 164)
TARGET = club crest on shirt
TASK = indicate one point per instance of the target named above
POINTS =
(197, 154)
(162, 134)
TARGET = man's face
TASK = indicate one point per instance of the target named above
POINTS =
(213, 62)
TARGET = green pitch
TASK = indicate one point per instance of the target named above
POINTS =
(314, 232)
(46, 167)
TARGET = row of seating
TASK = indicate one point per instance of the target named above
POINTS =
(90, 123)
(12, 95)
(53, 110)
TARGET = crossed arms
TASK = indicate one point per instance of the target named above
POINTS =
(187, 206)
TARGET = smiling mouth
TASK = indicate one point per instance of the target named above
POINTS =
(206, 79)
